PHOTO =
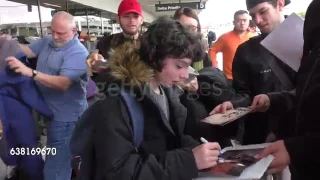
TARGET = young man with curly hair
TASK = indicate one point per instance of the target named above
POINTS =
(149, 70)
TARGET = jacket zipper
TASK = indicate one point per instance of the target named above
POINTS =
(120, 163)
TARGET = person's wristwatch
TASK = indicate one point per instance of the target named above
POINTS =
(34, 73)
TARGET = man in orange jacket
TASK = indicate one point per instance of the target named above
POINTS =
(229, 42)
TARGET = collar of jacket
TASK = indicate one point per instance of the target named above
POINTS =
(124, 39)
(178, 112)
(126, 69)
(264, 35)
(129, 38)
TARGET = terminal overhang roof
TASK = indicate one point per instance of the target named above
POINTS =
(109, 6)
(61, 4)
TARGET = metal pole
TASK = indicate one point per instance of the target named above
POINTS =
(87, 22)
(39, 11)
(67, 6)
(102, 28)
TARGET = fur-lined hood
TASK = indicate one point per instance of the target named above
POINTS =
(126, 67)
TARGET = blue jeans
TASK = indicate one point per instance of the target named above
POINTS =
(58, 166)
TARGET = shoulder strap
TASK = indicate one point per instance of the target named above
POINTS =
(279, 72)
(136, 116)
(281, 75)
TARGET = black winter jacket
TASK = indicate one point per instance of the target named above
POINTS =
(165, 152)
(253, 75)
(214, 89)
(304, 146)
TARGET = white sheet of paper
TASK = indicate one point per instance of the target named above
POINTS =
(241, 147)
(257, 170)
(286, 41)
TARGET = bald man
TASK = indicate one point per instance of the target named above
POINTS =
(61, 77)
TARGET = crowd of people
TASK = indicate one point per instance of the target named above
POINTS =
(153, 90)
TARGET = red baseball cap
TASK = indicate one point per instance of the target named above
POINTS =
(129, 6)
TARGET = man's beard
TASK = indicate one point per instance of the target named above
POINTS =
(129, 32)
(59, 43)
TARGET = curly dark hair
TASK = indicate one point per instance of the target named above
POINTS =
(165, 38)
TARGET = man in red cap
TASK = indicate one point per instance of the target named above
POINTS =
(130, 19)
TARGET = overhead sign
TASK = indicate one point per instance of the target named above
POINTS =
(80, 12)
(175, 6)
(83, 12)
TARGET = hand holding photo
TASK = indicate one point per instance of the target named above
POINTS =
(228, 116)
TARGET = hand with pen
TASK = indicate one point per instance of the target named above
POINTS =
(206, 155)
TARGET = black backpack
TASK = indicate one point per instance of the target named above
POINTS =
(214, 87)
(82, 148)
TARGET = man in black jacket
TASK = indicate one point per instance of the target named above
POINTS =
(148, 71)
(200, 96)
(256, 71)
(301, 150)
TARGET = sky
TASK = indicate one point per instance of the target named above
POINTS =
(11, 12)
(22, 15)
(216, 12)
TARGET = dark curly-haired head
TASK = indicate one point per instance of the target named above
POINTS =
(167, 38)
